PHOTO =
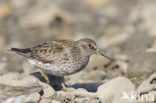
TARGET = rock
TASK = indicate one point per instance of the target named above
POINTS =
(8, 77)
(9, 94)
(95, 75)
(15, 99)
(113, 90)
(48, 91)
(148, 15)
(123, 66)
(15, 88)
(69, 89)
(77, 93)
(151, 50)
(111, 40)
(44, 101)
(27, 68)
(73, 79)
(122, 62)
(44, 16)
(82, 100)
(96, 60)
(5, 10)
(76, 96)
(152, 78)
(96, 3)
(14, 79)
(18, 4)
(3, 67)
(2, 41)
(34, 97)
(95, 101)
(147, 86)
(15, 94)
(29, 85)
(54, 101)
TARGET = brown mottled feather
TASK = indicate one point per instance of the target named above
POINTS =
(50, 51)
(45, 51)
(61, 57)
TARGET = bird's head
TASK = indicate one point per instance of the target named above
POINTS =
(89, 47)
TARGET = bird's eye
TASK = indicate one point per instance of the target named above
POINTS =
(89, 45)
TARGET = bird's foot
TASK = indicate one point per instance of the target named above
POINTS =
(62, 84)
(64, 87)
(43, 75)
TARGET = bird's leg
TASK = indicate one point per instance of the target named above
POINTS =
(62, 84)
(43, 75)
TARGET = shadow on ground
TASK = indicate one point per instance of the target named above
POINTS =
(54, 82)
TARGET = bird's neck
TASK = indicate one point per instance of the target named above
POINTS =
(84, 52)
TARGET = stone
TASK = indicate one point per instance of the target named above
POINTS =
(5, 10)
(43, 16)
(3, 67)
(151, 50)
(18, 4)
(77, 93)
(48, 91)
(27, 68)
(113, 90)
(14, 79)
(44, 101)
(108, 41)
(16, 99)
(15, 88)
(54, 101)
(2, 41)
(96, 3)
(16, 94)
(4, 79)
(123, 66)
(95, 75)
(148, 85)
(34, 97)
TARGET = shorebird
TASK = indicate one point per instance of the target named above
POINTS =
(60, 57)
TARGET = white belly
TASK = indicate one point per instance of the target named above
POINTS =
(64, 69)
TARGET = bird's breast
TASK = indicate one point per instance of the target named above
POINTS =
(80, 64)
(62, 68)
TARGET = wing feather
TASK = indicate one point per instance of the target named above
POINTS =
(52, 51)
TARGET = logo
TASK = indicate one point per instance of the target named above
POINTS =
(135, 97)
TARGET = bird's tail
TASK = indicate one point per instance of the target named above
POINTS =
(23, 52)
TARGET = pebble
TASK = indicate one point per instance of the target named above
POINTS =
(47, 90)
(96, 3)
(34, 97)
(54, 101)
(43, 16)
(15, 80)
(44, 101)
(2, 41)
(147, 86)
(112, 89)
(5, 10)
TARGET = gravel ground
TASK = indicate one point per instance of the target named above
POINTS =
(123, 29)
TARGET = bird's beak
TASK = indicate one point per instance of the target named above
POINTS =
(102, 54)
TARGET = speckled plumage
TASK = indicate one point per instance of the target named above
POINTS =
(60, 57)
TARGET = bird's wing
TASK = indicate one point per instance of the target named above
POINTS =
(49, 52)
(52, 51)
